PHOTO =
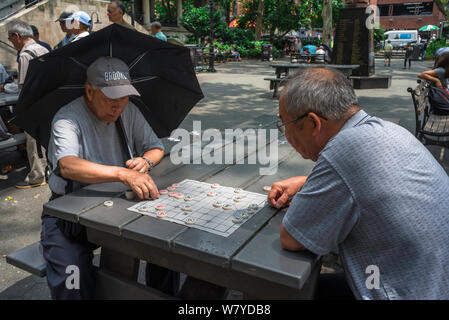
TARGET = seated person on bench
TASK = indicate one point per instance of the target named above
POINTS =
(218, 54)
(439, 74)
(85, 148)
(234, 53)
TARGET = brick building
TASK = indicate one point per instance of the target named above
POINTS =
(408, 14)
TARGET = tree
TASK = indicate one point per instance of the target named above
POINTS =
(327, 22)
(443, 6)
(282, 16)
(259, 21)
(226, 7)
(197, 21)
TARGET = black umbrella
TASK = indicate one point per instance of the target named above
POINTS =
(162, 73)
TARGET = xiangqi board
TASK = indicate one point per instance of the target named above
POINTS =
(210, 207)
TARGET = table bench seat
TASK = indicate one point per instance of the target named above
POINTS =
(29, 259)
(15, 140)
(275, 83)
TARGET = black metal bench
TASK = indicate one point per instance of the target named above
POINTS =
(29, 259)
(431, 129)
(275, 83)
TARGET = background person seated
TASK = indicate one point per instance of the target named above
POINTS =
(235, 54)
(218, 55)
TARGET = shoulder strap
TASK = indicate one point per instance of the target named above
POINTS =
(123, 138)
(31, 53)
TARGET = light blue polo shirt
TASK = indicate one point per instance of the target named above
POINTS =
(161, 36)
(378, 197)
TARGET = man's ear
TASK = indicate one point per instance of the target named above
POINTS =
(316, 123)
(89, 92)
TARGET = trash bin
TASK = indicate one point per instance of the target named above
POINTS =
(196, 53)
(267, 52)
(417, 48)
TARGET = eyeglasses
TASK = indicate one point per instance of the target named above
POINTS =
(281, 125)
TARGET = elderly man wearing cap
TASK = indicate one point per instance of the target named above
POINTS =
(85, 147)
(78, 24)
(68, 32)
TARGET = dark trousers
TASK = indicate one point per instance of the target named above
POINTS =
(333, 286)
(409, 62)
(61, 252)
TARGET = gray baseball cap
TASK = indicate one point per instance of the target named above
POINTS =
(111, 75)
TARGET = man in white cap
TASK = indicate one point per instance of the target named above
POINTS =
(79, 24)
(85, 148)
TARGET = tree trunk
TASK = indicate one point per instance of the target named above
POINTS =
(327, 22)
(443, 7)
(259, 20)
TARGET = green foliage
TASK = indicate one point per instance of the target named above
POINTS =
(313, 41)
(379, 35)
(434, 46)
(280, 17)
(283, 16)
(197, 21)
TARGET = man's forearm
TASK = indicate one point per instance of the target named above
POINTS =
(85, 171)
(155, 155)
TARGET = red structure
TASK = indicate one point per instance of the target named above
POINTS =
(408, 14)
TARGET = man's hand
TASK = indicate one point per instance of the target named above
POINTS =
(1, 87)
(141, 183)
(283, 190)
(138, 164)
(439, 84)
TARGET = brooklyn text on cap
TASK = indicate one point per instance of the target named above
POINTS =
(111, 75)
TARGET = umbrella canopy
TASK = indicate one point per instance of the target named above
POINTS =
(162, 73)
(429, 27)
(311, 47)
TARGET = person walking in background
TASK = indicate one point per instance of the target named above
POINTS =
(423, 50)
(68, 34)
(408, 55)
(36, 38)
(388, 50)
(20, 35)
(116, 11)
(156, 31)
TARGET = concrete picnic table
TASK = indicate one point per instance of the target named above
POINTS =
(8, 99)
(250, 260)
(285, 67)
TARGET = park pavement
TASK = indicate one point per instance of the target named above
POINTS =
(235, 94)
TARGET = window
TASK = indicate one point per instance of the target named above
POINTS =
(406, 9)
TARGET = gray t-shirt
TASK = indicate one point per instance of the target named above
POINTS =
(77, 132)
(441, 74)
(378, 197)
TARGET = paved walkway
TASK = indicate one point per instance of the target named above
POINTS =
(235, 94)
